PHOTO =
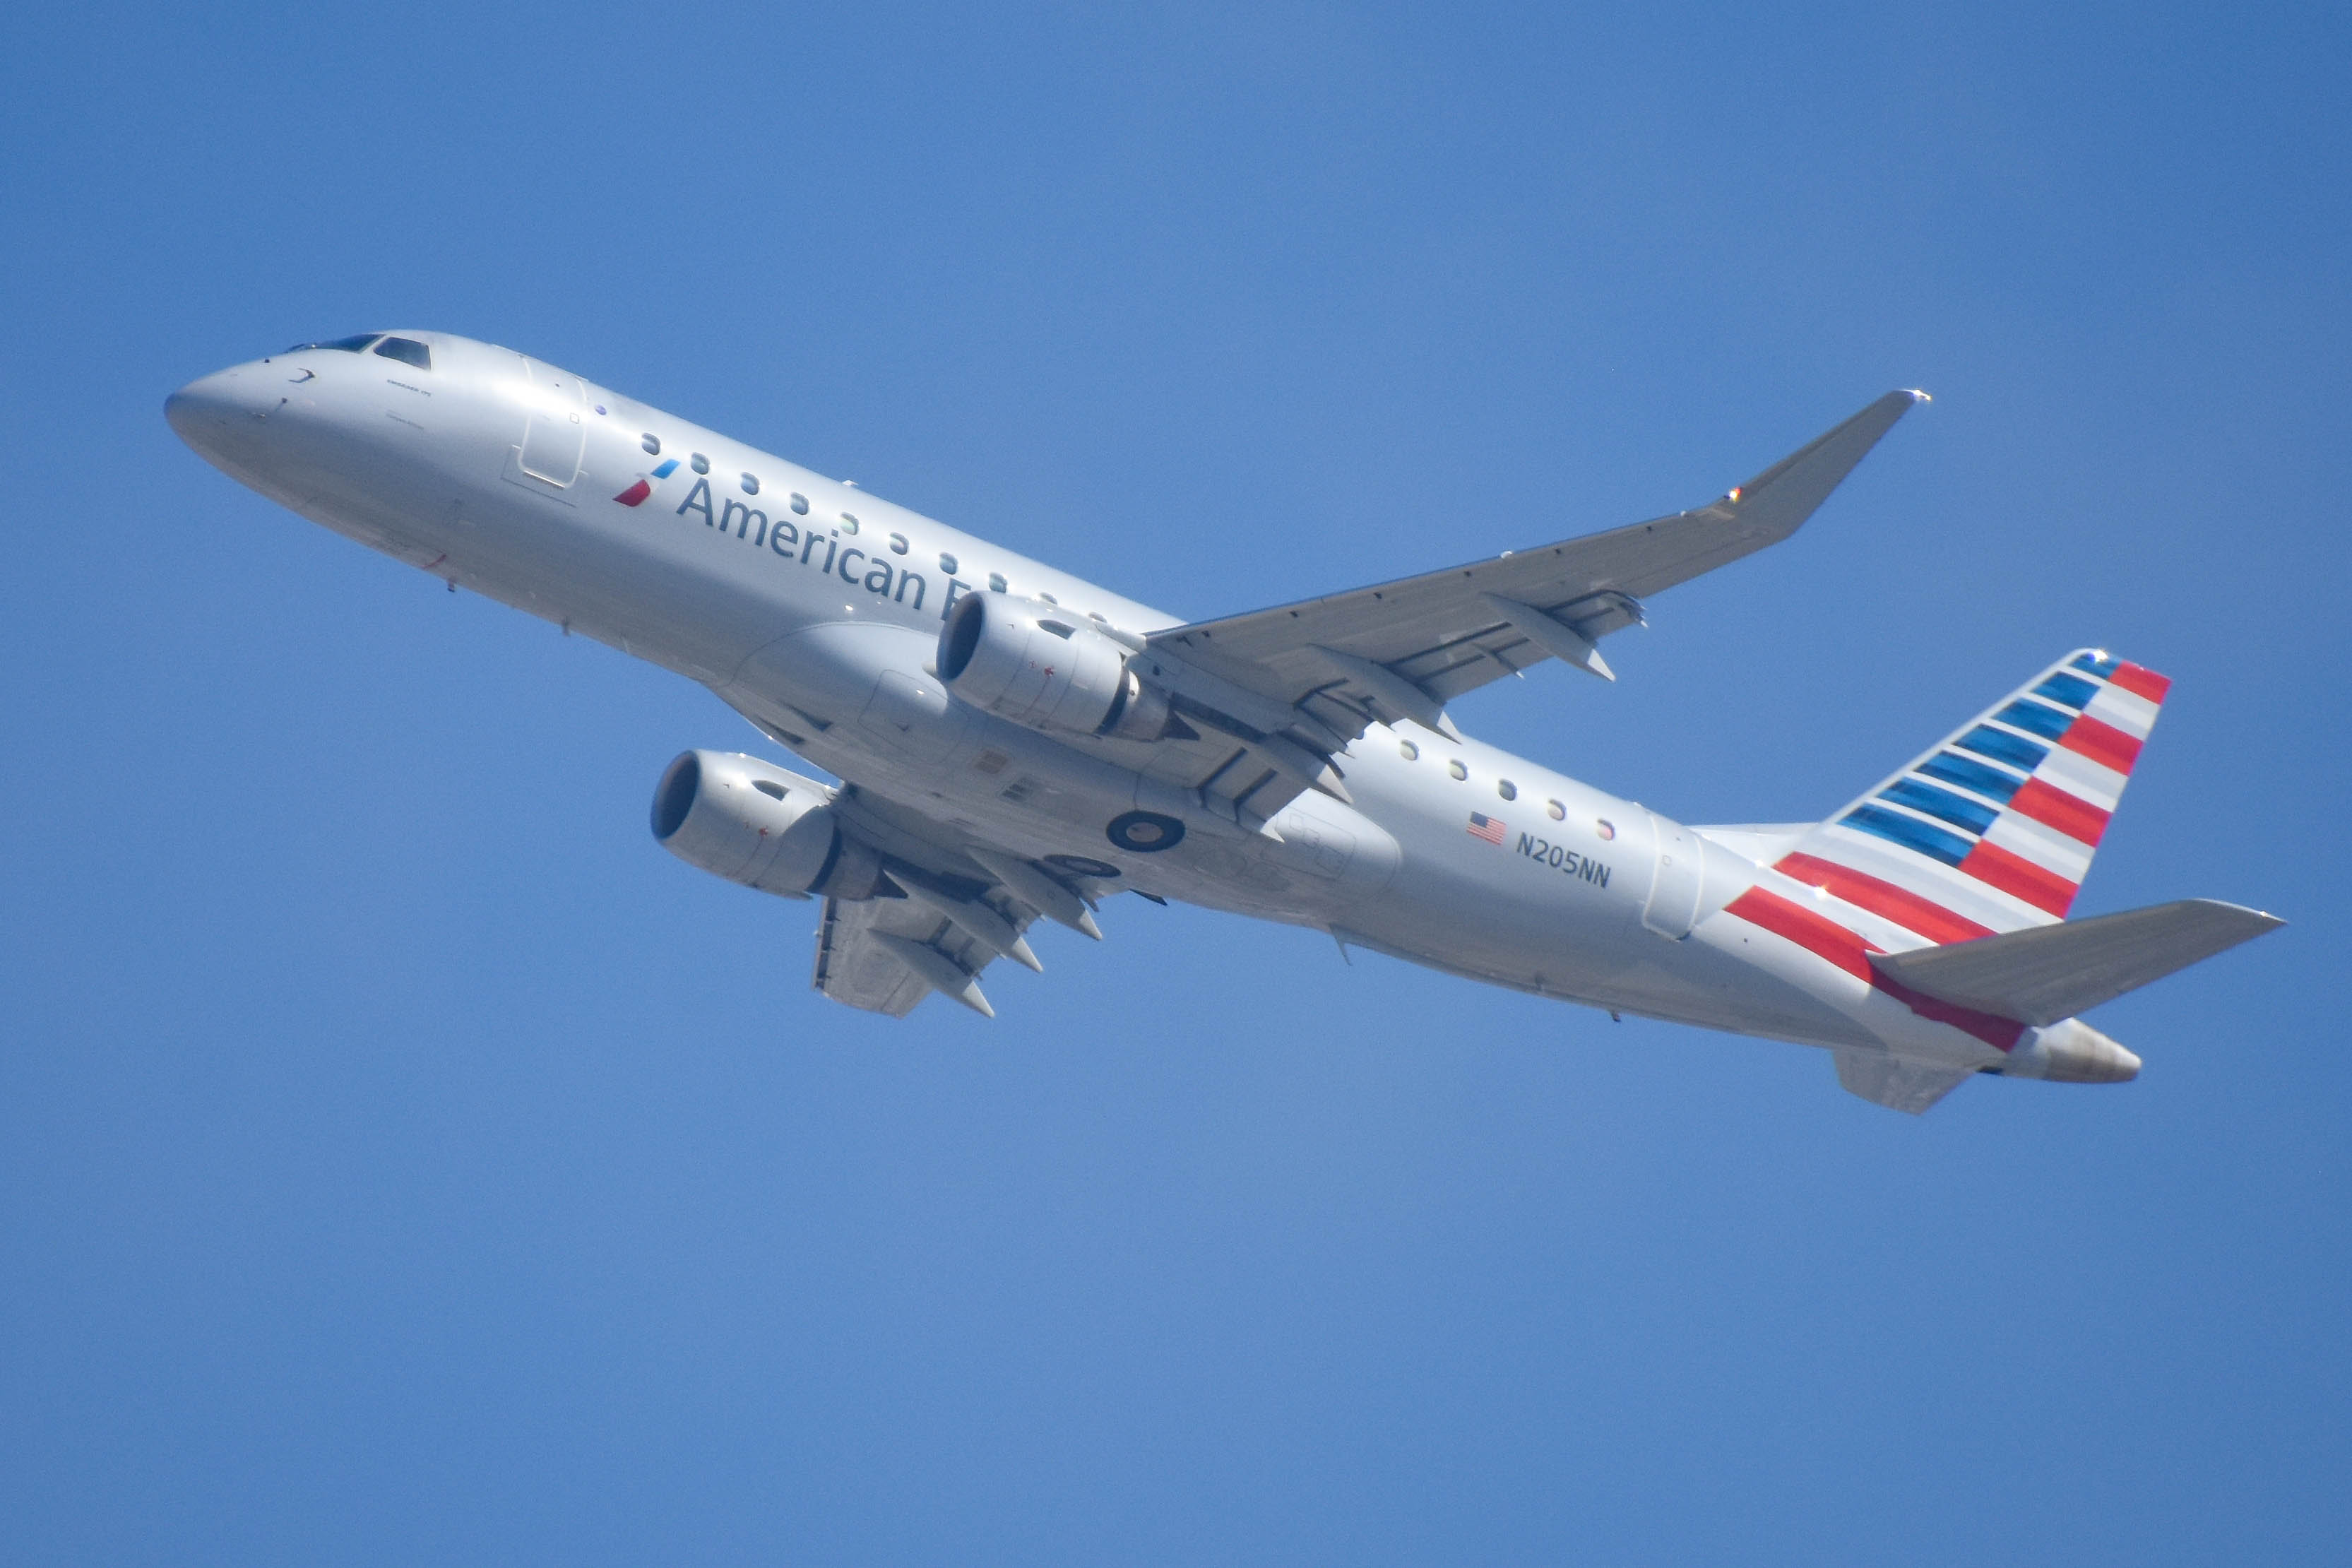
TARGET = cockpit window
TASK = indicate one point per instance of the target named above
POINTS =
(357, 345)
(407, 351)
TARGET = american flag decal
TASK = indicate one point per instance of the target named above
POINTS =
(1486, 828)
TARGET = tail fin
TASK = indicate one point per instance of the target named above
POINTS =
(1994, 829)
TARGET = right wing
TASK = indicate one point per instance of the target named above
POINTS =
(860, 961)
(944, 907)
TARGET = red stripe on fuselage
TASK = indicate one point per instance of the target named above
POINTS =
(1826, 939)
(1901, 905)
(1817, 934)
(2001, 1033)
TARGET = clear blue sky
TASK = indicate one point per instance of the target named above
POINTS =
(402, 1159)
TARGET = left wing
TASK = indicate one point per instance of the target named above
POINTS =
(1289, 686)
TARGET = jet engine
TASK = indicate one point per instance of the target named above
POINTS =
(1040, 666)
(754, 823)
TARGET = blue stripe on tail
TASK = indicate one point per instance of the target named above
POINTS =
(2035, 719)
(1971, 775)
(2071, 690)
(1909, 832)
(1956, 809)
(2003, 747)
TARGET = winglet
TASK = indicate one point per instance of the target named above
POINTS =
(1776, 502)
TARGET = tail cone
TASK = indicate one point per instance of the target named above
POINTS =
(2071, 1051)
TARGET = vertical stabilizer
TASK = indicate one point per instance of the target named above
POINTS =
(1994, 829)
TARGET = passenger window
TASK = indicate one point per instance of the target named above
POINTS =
(750, 484)
(898, 544)
(1457, 770)
(1507, 789)
(799, 503)
(407, 351)
(1556, 811)
(1606, 828)
(1408, 751)
(698, 463)
(947, 564)
(651, 443)
(848, 523)
(996, 582)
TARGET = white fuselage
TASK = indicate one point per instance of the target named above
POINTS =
(501, 474)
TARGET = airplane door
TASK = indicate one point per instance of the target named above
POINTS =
(1673, 907)
(557, 434)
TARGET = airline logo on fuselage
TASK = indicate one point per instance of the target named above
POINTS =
(807, 543)
(636, 493)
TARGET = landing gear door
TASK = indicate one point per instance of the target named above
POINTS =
(557, 432)
(1673, 907)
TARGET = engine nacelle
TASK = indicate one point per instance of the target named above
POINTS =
(754, 823)
(1040, 666)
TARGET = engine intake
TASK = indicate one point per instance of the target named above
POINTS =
(754, 823)
(1040, 666)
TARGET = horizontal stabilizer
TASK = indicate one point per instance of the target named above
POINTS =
(2044, 974)
(1908, 1087)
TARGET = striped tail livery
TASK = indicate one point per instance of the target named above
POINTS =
(1994, 828)
(1944, 892)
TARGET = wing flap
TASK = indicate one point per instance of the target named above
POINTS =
(857, 970)
(946, 907)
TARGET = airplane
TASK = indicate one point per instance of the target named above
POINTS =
(1014, 743)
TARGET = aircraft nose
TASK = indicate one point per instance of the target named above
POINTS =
(210, 408)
